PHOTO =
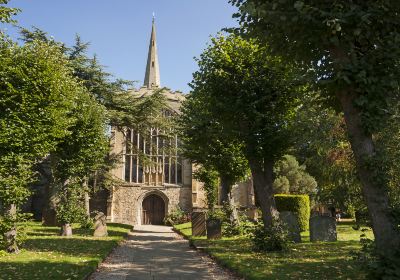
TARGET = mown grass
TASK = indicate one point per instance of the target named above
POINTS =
(46, 255)
(306, 260)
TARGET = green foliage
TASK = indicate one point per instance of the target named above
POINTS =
(87, 223)
(176, 216)
(322, 144)
(292, 177)
(35, 102)
(351, 51)
(210, 181)
(378, 266)
(36, 99)
(230, 226)
(204, 144)
(85, 148)
(298, 204)
(6, 13)
(250, 97)
(344, 43)
(70, 208)
(271, 238)
(250, 93)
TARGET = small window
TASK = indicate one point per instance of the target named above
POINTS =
(152, 64)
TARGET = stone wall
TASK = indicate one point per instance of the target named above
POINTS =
(127, 201)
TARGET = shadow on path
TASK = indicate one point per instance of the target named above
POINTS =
(157, 253)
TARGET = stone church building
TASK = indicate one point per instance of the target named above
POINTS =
(149, 193)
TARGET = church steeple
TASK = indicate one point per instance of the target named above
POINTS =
(152, 76)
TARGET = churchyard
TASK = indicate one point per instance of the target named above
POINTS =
(305, 260)
(290, 123)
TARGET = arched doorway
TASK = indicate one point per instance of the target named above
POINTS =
(153, 210)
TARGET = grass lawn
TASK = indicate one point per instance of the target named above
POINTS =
(45, 255)
(320, 260)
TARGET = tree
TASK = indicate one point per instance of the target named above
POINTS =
(122, 110)
(6, 13)
(352, 48)
(291, 177)
(321, 142)
(36, 99)
(204, 143)
(252, 97)
(78, 155)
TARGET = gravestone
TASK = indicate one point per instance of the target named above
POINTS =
(291, 223)
(214, 229)
(323, 228)
(198, 223)
(100, 225)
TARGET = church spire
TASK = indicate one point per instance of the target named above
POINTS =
(152, 76)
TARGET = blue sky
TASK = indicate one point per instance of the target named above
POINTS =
(119, 31)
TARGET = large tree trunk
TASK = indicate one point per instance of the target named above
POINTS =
(376, 196)
(263, 180)
(225, 197)
(49, 211)
(224, 190)
(10, 236)
(46, 179)
(87, 198)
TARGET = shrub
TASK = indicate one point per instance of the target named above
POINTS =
(230, 226)
(70, 209)
(177, 216)
(271, 239)
(376, 265)
(87, 223)
(298, 204)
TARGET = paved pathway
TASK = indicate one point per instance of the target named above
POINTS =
(157, 253)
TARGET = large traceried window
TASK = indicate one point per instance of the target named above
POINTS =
(152, 160)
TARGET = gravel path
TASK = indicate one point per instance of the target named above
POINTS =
(157, 253)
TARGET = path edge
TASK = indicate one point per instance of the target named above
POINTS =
(89, 274)
(204, 250)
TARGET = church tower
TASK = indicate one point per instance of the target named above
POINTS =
(152, 76)
(153, 180)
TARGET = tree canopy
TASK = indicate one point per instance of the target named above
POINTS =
(291, 177)
(251, 98)
(351, 48)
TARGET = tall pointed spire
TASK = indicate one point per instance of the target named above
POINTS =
(152, 76)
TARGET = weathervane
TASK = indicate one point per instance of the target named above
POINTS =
(154, 15)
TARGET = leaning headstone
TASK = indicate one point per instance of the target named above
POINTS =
(198, 223)
(100, 225)
(292, 225)
(323, 228)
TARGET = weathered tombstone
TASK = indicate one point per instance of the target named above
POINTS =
(66, 230)
(198, 223)
(214, 230)
(291, 223)
(323, 228)
(100, 225)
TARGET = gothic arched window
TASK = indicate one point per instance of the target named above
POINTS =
(152, 160)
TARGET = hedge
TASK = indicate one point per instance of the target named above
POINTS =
(298, 204)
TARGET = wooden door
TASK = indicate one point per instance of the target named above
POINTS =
(153, 210)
